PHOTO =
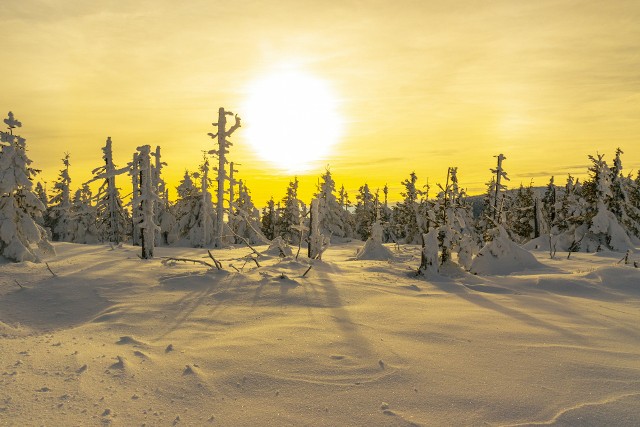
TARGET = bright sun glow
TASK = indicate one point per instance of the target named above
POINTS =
(292, 120)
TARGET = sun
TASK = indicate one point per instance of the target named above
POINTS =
(291, 119)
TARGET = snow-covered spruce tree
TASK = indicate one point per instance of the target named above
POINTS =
(453, 221)
(521, 216)
(386, 217)
(19, 205)
(406, 214)
(500, 174)
(290, 215)
(164, 215)
(246, 217)
(365, 212)
(605, 229)
(221, 152)
(269, 220)
(41, 192)
(332, 218)
(148, 199)
(83, 225)
(233, 182)
(549, 207)
(345, 204)
(59, 213)
(112, 218)
(621, 204)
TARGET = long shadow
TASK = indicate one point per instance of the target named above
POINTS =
(481, 301)
(343, 319)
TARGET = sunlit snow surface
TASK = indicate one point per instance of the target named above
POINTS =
(113, 339)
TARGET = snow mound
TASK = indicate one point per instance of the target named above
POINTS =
(373, 250)
(278, 247)
(503, 256)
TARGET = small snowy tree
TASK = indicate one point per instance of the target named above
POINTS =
(268, 220)
(317, 242)
(290, 214)
(365, 212)
(19, 205)
(83, 225)
(59, 214)
(246, 217)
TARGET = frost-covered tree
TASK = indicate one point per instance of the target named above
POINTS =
(20, 207)
(221, 152)
(246, 216)
(332, 215)
(317, 242)
(112, 218)
(83, 227)
(602, 222)
(549, 207)
(194, 212)
(365, 212)
(521, 215)
(406, 214)
(148, 199)
(269, 220)
(164, 215)
(59, 213)
(41, 192)
(290, 214)
(453, 221)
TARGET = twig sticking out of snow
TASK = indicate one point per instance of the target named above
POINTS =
(18, 283)
(307, 270)
(50, 271)
(195, 261)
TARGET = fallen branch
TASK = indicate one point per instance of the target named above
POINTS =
(246, 242)
(217, 263)
(195, 261)
(254, 260)
(18, 283)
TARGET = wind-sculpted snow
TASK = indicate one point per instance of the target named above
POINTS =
(108, 338)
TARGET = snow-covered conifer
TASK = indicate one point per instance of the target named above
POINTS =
(269, 220)
(406, 214)
(83, 227)
(246, 221)
(290, 214)
(365, 212)
(112, 218)
(59, 213)
(19, 205)
(332, 217)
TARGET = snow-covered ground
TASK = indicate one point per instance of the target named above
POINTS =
(113, 339)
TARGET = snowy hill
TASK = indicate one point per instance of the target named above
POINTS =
(113, 339)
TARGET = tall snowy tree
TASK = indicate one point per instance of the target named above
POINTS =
(112, 218)
(221, 152)
(148, 199)
(19, 205)
(59, 213)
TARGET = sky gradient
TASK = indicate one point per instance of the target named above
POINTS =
(422, 85)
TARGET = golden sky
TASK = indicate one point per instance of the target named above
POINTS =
(421, 85)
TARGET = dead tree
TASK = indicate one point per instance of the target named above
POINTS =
(222, 135)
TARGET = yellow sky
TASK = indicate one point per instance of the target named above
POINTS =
(422, 85)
